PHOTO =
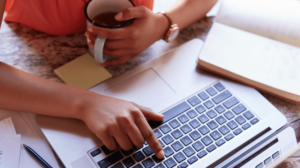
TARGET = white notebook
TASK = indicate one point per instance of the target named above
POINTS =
(257, 42)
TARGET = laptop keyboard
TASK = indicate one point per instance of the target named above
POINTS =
(189, 131)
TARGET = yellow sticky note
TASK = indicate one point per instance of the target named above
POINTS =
(83, 72)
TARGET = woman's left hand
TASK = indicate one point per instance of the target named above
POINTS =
(129, 41)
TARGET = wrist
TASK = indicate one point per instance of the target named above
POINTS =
(82, 104)
(164, 24)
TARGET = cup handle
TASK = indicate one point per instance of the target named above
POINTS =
(98, 49)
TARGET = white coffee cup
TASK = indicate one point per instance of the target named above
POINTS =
(95, 7)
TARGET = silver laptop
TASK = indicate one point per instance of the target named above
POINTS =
(209, 121)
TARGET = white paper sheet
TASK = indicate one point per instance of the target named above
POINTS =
(10, 151)
(30, 138)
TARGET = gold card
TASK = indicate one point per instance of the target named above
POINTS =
(83, 72)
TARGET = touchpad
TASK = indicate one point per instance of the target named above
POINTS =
(146, 88)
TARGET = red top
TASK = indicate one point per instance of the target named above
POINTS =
(57, 17)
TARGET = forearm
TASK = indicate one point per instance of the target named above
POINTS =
(21, 91)
(2, 7)
(186, 12)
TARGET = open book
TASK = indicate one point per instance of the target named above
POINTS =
(257, 42)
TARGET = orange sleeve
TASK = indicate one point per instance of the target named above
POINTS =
(57, 17)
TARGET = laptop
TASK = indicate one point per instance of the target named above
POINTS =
(209, 121)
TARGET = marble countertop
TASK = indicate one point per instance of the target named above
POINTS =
(39, 54)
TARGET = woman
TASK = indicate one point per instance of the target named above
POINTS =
(115, 122)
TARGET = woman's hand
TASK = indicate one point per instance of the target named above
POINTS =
(117, 122)
(128, 42)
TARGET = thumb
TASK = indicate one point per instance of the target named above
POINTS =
(138, 12)
(149, 113)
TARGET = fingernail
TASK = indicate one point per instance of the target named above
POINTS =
(90, 29)
(161, 154)
(119, 16)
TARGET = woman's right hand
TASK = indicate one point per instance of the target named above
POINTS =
(118, 122)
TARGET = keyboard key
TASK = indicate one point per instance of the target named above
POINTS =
(240, 119)
(189, 151)
(106, 150)
(237, 131)
(179, 157)
(198, 145)
(119, 165)
(176, 134)
(138, 156)
(215, 135)
(204, 130)
(138, 166)
(211, 91)
(186, 140)
(156, 159)
(160, 166)
(161, 143)
(238, 109)
(165, 129)
(221, 97)
(170, 163)
(194, 100)
(248, 115)
(128, 162)
(212, 125)
(232, 125)
(207, 140)
(148, 163)
(192, 160)
(183, 118)
(195, 135)
(203, 118)
(148, 151)
(261, 165)
(275, 155)
(183, 165)
(203, 95)
(268, 160)
(177, 146)
(220, 109)
(200, 109)
(219, 86)
(231, 102)
(220, 142)
(229, 115)
(192, 114)
(224, 130)
(201, 154)
(211, 114)
(194, 123)
(221, 120)
(112, 159)
(170, 114)
(168, 151)
(137, 148)
(254, 121)
(185, 128)
(174, 123)
(246, 126)
(126, 153)
(95, 152)
(157, 133)
(229, 137)
(208, 104)
(211, 148)
(167, 139)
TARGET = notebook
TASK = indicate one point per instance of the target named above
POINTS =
(257, 42)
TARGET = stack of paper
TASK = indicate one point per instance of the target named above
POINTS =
(31, 135)
(9, 145)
